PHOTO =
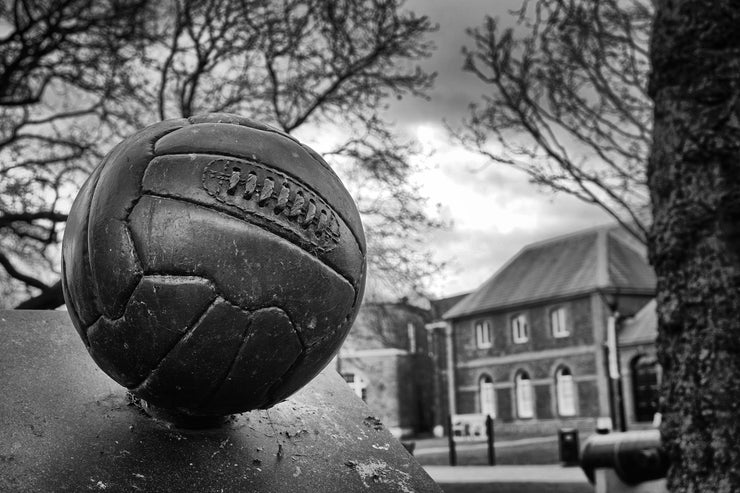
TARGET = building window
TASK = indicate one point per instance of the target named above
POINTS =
(645, 387)
(565, 392)
(487, 396)
(524, 397)
(358, 384)
(559, 322)
(483, 335)
(519, 328)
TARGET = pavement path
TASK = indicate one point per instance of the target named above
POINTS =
(506, 474)
(421, 450)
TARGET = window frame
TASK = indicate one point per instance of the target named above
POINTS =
(358, 384)
(480, 341)
(565, 392)
(517, 328)
(487, 395)
(524, 395)
(563, 322)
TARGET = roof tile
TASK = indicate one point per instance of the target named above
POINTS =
(561, 266)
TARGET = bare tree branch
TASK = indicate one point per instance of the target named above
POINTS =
(568, 103)
(78, 75)
(13, 272)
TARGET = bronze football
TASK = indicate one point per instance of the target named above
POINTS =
(213, 265)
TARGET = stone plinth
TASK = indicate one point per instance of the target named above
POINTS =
(65, 426)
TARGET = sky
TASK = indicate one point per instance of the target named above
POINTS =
(494, 211)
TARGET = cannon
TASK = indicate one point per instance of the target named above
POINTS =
(635, 456)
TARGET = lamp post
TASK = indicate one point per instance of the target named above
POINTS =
(614, 372)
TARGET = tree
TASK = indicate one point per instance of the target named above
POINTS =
(305, 66)
(694, 178)
(59, 61)
(568, 101)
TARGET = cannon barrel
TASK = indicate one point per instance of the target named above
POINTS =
(635, 456)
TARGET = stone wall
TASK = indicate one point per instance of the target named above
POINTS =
(399, 389)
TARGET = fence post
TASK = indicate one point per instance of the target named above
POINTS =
(489, 436)
(451, 441)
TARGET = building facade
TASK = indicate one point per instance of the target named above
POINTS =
(528, 346)
(386, 360)
(641, 372)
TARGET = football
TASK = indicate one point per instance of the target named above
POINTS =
(213, 265)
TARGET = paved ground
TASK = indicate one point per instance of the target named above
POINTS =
(510, 479)
(548, 478)
(437, 446)
(506, 474)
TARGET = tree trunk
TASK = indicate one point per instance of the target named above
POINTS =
(694, 178)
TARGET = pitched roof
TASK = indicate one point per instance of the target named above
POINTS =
(640, 328)
(597, 258)
(441, 305)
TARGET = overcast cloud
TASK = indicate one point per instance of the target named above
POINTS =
(494, 210)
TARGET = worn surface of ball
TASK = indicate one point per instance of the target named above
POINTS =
(213, 265)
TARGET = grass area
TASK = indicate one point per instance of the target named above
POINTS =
(528, 454)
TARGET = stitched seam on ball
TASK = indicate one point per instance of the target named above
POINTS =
(220, 294)
(138, 264)
(274, 388)
(344, 277)
(71, 306)
(294, 326)
(86, 259)
(87, 329)
(222, 380)
(242, 347)
(326, 238)
(194, 325)
(292, 176)
(271, 131)
(127, 211)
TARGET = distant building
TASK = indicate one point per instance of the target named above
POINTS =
(439, 335)
(528, 346)
(641, 372)
(386, 360)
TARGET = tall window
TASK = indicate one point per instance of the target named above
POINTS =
(524, 397)
(487, 396)
(559, 322)
(358, 384)
(565, 392)
(519, 328)
(483, 334)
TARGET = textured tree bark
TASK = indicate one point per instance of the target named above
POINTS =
(694, 178)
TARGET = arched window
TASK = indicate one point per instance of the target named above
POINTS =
(524, 397)
(565, 392)
(487, 396)
(645, 387)
(358, 384)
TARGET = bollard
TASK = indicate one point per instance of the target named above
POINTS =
(568, 446)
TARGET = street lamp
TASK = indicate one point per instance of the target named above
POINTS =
(616, 396)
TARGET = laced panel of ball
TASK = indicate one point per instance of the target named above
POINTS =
(213, 265)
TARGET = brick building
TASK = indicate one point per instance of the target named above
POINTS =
(528, 345)
(641, 372)
(386, 359)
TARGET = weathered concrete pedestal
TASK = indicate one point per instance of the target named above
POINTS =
(66, 426)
